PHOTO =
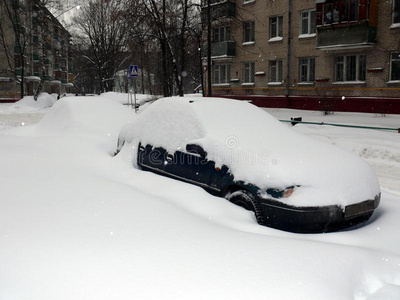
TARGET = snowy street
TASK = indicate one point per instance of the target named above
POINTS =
(78, 223)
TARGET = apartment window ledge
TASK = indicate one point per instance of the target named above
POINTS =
(348, 82)
(248, 43)
(305, 83)
(307, 36)
(395, 25)
(275, 39)
(274, 83)
(249, 2)
(248, 84)
(221, 84)
(394, 82)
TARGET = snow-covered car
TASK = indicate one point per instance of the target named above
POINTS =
(236, 150)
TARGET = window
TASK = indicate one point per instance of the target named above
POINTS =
(275, 27)
(221, 34)
(395, 66)
(221, 74)
(249, 31)
(396, 11)
(350, 68)
(275, 71)
(248, 72)
(343, 11)
(308, 22)
(307, 69)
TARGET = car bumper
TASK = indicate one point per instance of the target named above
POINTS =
(316, 219)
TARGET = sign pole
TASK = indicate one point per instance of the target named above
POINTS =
(134, 92)
(133, 72)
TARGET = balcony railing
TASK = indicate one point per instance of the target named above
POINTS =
(221, 49)
(346, 36)
(226, 9)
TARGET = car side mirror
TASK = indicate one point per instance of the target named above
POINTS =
(196, 149)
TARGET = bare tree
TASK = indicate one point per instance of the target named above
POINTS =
(171, 22)
(103, 32)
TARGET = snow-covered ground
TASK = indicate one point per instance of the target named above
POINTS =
(78, 223)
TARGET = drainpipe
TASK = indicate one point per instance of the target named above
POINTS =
(209, 71)
(289, 50)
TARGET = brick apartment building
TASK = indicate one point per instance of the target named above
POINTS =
(313, 54)
(35, 51)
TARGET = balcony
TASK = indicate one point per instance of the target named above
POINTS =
(221, 9)
(37, 57)
(18, 4)
(18, 72)
(17, 50)
(36, 39)
(346, 36)
(221, 49)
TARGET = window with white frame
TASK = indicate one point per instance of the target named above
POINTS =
(221, 34)
(307, 69)
(275, 71)
(308, 22)
(395, 66)
(221, 73)
(396, 11)
(249, 31)
(350, 68)
(248, 72)
(275, 27)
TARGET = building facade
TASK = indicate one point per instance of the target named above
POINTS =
(35, 51)
(312, 54)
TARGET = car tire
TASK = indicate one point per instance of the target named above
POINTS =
(247, 200)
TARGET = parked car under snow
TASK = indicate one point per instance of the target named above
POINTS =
(238, 151)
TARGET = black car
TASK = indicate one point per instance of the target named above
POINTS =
(188, 139)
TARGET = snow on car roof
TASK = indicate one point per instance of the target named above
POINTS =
(257, 148)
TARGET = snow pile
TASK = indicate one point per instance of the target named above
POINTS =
(123, 97)
(257, 148)
(77, 223)
(28, 104)
(85, 117)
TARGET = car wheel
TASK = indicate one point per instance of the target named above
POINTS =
(247, 200)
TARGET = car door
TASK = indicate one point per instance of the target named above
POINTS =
(193, 166)
(152, 158)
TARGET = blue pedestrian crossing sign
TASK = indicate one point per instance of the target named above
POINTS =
(133, 71)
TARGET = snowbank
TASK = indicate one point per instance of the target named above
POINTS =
(76, 223)
(83, 116)
(123, 97)
(28, 104)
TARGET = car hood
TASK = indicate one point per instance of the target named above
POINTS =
(260, 150)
